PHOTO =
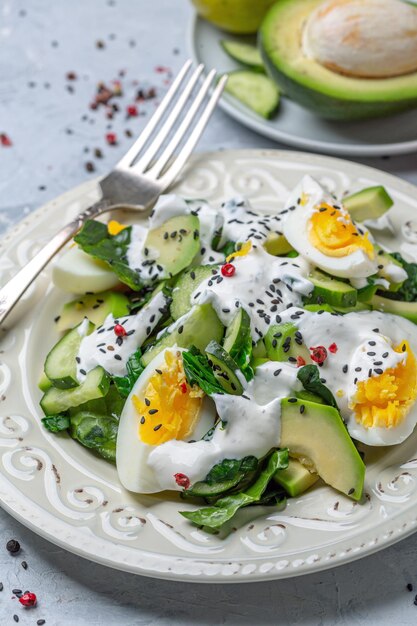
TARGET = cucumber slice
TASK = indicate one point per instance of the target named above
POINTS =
(177, 241)
(330, 290)
(198, 329)
(283, 342)
(244, 53)
(184, 287)
(95, 385)
(369, 203)
(396, 307)
(44, 383)
(60, 364)
(237, 341)
(95, 306)
(224, 368)
(254, 90)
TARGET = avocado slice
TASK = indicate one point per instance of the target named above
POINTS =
(277, 244)
(330, 290)
(94, 306)
(283, 342)
(200, 327)
(368, 204)
(318, 435)
(295, 478)
(177, 241)
(328, 93)
(396, 307)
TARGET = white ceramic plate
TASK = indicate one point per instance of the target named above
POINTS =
(298, 127)
(61, 491)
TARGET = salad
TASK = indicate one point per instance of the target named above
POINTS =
(235, 356)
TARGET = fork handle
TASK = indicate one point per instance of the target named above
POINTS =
(14, 289)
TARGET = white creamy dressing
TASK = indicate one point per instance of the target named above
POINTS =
(144, 261)
(241, 222)
(103, 347)
(262, 284)
(250, 426)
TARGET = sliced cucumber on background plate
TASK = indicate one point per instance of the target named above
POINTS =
(254, 90)
(244, 53)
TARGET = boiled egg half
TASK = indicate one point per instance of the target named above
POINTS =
(322, 232)
(161, 406)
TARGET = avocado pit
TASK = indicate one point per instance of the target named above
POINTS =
(363, 38)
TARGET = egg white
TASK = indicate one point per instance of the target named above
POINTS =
(77, 272)
(296, 229)
(131, 453)
(349, 332)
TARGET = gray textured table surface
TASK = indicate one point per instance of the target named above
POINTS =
(54, 134)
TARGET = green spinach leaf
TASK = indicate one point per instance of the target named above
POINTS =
(226, 507)
(134, 369)
(198, 371)
(97, 432)
(56, 423)
(95, 240)
(309, 376)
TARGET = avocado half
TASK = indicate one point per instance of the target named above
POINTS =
(328, 93)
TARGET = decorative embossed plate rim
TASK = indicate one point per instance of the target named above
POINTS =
(63, 493)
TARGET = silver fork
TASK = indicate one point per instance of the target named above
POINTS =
(141, 175)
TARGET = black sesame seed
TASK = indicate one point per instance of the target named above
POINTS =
(302, 408)
(377, 362)
(152, 411)
(409, 587)
(369, 373)
(16, 618)
(77, 358)
(384, 356)
(292, 400)
(83, 372)
(1, 586)
(375, 330)
(344, 369)
(351, 491)
(158, 371)
(147, 402)
(372, 343)
(403, 349)
(17, 592)
(378, 371)
(277, 372)
(142, 420)
(157, 427)
(166, 235)
(292, 359)
(180, 329)
(371, 353)
(40, 622)
(117, 357)
(24, 564)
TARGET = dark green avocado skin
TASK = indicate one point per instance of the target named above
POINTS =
(345, 107)
(326, 106)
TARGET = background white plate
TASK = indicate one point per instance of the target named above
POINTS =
(64, 493)
(298, 127)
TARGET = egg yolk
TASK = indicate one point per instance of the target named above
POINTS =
(332, 232)
(384, 401)
(169, 407)
(114, 227)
